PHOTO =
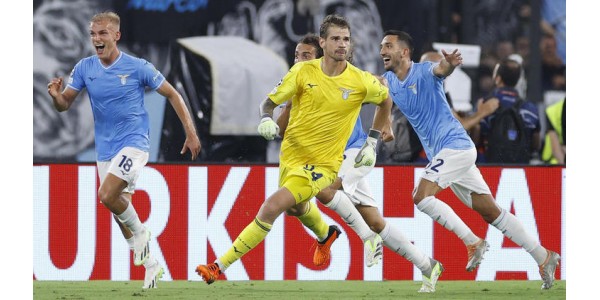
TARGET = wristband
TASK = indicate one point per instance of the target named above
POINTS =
(374, 133)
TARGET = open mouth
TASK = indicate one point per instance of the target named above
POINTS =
(99, 49)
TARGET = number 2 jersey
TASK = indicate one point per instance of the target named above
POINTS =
(422, 100)
(117, 98)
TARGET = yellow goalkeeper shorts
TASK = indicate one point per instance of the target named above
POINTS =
(305, 181)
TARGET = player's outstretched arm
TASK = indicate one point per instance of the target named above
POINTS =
(61, 100)
(447, 65)
(192, 142)
(267, 127)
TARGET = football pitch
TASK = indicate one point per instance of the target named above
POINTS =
(290, 289)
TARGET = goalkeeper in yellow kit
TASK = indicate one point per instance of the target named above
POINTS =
(327, 97)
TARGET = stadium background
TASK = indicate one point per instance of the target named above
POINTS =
(195, 209)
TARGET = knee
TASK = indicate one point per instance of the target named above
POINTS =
(104, 197)
(107, 197)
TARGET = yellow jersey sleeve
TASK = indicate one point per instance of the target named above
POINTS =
(287, 87)
(376, 92)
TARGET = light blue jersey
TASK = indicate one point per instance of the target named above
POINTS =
(422, 100)
(358, 136)
(117, 98)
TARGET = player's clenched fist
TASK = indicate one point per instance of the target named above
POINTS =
(366, 156)
(268, 128)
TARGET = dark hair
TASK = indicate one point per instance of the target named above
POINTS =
(313, 40)
(402, 36)
(331, 20)
(510, 72)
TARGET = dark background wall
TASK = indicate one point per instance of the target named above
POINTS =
(150, 29)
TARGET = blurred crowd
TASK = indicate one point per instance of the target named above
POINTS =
(542, 112)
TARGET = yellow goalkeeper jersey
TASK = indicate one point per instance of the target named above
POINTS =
(324, 111)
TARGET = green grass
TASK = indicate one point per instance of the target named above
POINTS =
(323, 290)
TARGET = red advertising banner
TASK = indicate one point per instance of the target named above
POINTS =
(194, 213)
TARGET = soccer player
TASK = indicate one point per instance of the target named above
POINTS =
(308, 48)
(327, 95)
(356, 199)
(417, 90)
(115, 82)
(307, 212)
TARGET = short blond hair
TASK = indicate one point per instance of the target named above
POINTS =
(109, 16)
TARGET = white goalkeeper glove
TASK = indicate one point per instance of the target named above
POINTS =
(366, 156)
(268, 128)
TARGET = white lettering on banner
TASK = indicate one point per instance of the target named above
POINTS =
(339, 265)
(512, 191)
(153, 183)
(207, 231)
(82, 267)
(218, 237)
(275, 240)
(419, 229)
(375, 181)
(197, 213)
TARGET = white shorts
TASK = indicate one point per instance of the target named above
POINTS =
(127, 165)
(353, 179)
(456, 169)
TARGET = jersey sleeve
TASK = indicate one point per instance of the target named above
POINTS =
(430, 66)
(150, 76)
(376, 92)
(287, 87)
(76, 81)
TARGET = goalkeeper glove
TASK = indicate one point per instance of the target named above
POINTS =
(366, 156)
(268, 128)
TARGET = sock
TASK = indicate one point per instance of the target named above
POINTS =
(445, 216)
(344, 207)
(512, 228)
(130, 219)
(150, 262)
(395, 240)
(251, 236)
(130, 243)
(313, 220)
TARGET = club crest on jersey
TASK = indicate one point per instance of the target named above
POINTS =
(123, 79)
(413, 88)
(345, 93)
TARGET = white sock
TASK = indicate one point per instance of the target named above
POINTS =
(131, 220)
(443, 214)
(150, 262)
(221, 265)
(130, 243)
(395, 240)
(344, 207)
(512, 228)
